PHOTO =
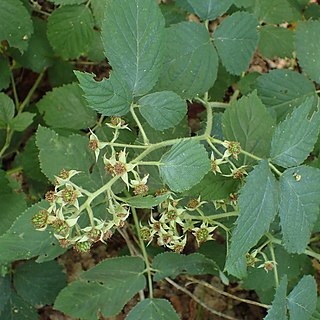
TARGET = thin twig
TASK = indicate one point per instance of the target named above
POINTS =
(197, 300)
(229, 295)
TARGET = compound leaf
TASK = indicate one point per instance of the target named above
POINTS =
(295, 137)
(104, 289)
(299, 206)
(236, 39)
(153, 309)
(39, 283)
(70, 30)
(171, 264)
(162, 110)
(302, 300)
(190, 63)
(188, 160)
(258, 204)
(65, 107)
(248, 122)
(283, 90)
(16, 24)
(132, 34)
(109, 96)
(209, 9)
(308, 50)
(278, 310)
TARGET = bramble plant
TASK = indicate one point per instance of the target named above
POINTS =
(115, 149)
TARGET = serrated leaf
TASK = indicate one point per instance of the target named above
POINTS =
(109, 96)
(6, 110)
(184, 165)
(23, 241)
(283, 90)
(308, 50)
(60, 73)
(39, 54)
(153, 309)
(302, 300)
(244, 3)
(132, 35)
(162, 110)
(105, 288)
(258, 204)
(312, 12)
(21, 121)
(70, 30)
(146, 202)
(299, 206)
(214, 187)
(16, 24)
(190, 63)
(209, 9)
(278, 310)
(39, 283)
(275, 12)
(294, 138)
(98, 9)
(248, 122)
(171, 264)
(276, 42)
(236, 39)
(64, 107)
(5, 73)
(172, 13)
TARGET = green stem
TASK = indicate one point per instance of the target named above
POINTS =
(6, 145)
(218, 105)
(144, 251)
(14, 89)
(31, 92)
(136, 119)
(213, 216)
(275, 268)
(147, 163)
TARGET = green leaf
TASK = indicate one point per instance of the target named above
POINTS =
(283, 90)
(244, 3)
(109, 96)
(190, 63)
(162, 110)
(278, 310)
(275, 12)
(11, 206)
(184, 165)
(5, 288)
(6, 110)
(312, 12)
(171, 264)
(67, 2)
(5, 73)
(70, 30)
(39, 54)
(146, 202)
(98, 10)
(172, 13)
(302, 300)
(214, 187)
(132, 35)
(61, 72)
(153, 309)
(236, 39)
(65, 107)
(105, 288)
(39, 283)
(23, 241)
(258, 204)
(21, 121)
(16, 24)
(276, 42)
(308, 51)
(294, 138)
(209, 9)
(248, 122)
(299, 206)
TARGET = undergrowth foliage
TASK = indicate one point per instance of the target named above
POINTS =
(243, 188)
